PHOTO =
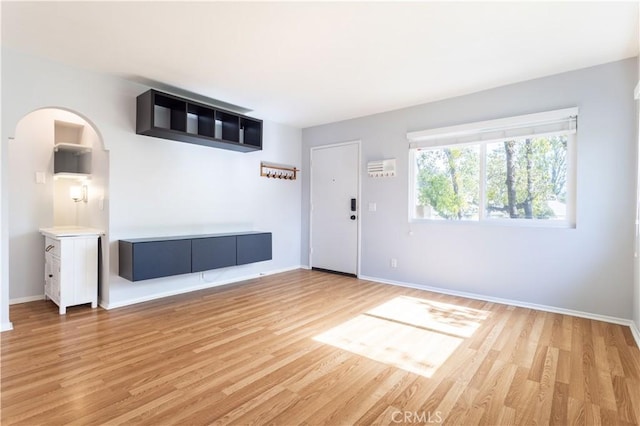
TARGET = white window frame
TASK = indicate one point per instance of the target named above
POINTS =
(548, 123)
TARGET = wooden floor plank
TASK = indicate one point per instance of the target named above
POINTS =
(306, 347)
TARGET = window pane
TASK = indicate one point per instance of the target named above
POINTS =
(527, 178)
(447, 183)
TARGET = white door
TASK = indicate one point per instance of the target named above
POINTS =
(335, 207)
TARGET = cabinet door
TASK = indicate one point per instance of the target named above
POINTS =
(212, 253)
(55, 280)
(85, 275)
(253, 248)
(161, 259)
(48, 274)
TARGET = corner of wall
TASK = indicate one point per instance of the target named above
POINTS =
(5, 324)
(635, 330)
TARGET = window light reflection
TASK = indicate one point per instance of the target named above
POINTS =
(416, 335)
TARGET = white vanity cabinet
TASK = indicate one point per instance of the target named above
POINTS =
(71, 266)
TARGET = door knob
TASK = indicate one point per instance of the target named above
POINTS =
(353, 217)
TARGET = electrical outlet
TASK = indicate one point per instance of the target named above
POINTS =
(394, 263)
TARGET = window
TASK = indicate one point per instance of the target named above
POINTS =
(447, 183)
(517, 170)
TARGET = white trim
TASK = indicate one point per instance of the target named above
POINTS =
(26, 299)
(491, 126)
(553, 309)
(204, 286)
(6, 326)
(357, 142)
(636, 279)
(412, 202)
(635, 332)
(496, 222)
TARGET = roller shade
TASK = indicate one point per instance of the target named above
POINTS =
(550, 123)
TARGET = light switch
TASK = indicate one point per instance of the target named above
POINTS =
(372, 207)
(41, 177)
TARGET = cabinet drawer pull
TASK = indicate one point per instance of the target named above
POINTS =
(49, 248)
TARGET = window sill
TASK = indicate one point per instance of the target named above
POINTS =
(509, 223)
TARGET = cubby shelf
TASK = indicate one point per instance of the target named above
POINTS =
(170, 117)
(70, 156)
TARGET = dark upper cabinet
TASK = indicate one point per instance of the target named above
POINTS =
(171, 117)
(252, 131)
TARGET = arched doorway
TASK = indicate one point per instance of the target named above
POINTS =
(39, 192)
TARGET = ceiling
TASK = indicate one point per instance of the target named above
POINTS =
(308, 63)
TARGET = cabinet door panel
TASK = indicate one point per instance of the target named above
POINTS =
(212, 253)
(253, 248)
(161, 259)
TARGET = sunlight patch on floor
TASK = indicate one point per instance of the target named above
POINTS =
(416, 335)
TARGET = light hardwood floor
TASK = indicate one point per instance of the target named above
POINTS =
(306, 347)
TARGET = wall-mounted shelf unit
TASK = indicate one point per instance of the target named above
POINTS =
(171, 117)
(146, 258)
(67, 133)
(70, 156)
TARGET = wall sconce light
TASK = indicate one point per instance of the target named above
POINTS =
(79, 193)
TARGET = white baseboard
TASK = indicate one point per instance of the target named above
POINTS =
(635, 332)
(518, 303)
(6, 326)
(18, 300)
(203, 286)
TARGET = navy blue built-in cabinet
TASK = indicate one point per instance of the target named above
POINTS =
(146, 258)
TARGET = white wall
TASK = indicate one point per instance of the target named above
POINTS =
(159, 187)
(587, 269)
(170, 188)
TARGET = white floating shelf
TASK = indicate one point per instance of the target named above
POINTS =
(72, 147)
(68, 175)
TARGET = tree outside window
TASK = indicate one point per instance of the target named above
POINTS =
(527, 178)
(511, 179)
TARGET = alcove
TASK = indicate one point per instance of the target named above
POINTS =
(54, 153)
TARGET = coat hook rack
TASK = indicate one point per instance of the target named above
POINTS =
(278, 171)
